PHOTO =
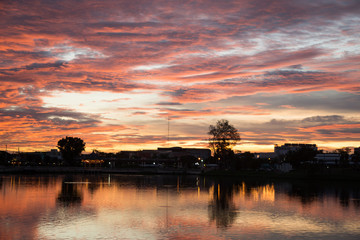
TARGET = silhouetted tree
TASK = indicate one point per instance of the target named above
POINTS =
(344, 155)
(71, 148)
(223, 136)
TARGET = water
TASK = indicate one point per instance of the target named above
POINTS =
(175, 207)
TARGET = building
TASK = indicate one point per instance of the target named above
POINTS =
(265, 155)
(328, 158)
(54, 154)
(282, 150)
(170, 157)
(357, 151)
(52, 157)
(355, 158)
(199, 153)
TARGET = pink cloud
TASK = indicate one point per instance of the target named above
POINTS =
(190, 54)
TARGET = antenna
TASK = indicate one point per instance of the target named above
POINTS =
(168, 139)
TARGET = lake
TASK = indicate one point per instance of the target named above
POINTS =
(115, 206)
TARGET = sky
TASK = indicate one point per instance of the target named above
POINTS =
(131, 75)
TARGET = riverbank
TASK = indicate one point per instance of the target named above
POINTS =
(337, 174)
(85, 170)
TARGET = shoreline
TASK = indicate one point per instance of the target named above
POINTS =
(341, 174)
(87, 170)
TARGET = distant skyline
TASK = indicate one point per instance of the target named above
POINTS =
(113, 73)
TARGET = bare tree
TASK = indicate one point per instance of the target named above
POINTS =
(223, 136)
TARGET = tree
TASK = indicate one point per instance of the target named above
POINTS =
(223, 136)
(344, 155)
(71, 148)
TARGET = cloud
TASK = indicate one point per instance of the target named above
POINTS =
(168, 103)
(59, 117)
(35, 66)
(312, 129)
(194, 60)
(326, 101)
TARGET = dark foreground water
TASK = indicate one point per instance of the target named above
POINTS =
(175, 207)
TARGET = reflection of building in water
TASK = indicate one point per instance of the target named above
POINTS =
(259, 193)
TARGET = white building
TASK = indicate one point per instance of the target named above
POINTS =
(328, 158)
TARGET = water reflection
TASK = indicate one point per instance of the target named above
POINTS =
(158, 207)
(346, 194)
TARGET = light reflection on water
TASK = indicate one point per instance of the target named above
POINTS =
(175, 207)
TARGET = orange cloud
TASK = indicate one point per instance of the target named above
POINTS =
(202, 56)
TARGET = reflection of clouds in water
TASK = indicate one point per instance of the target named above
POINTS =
(99, 224)
(285, 223)
(160, 207)
(301, 225)
(24, 201)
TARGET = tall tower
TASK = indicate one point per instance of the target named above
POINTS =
(168, 138)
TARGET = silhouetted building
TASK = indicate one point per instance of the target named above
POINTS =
(52, 157)
(171, 157)
(200, 153)
(93, 159)
(54, 153)
(357, 151)
(265, 155)
(288, 147)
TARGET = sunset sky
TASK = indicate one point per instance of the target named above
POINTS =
(118, 73)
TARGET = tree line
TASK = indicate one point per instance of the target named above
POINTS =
(222, 138)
